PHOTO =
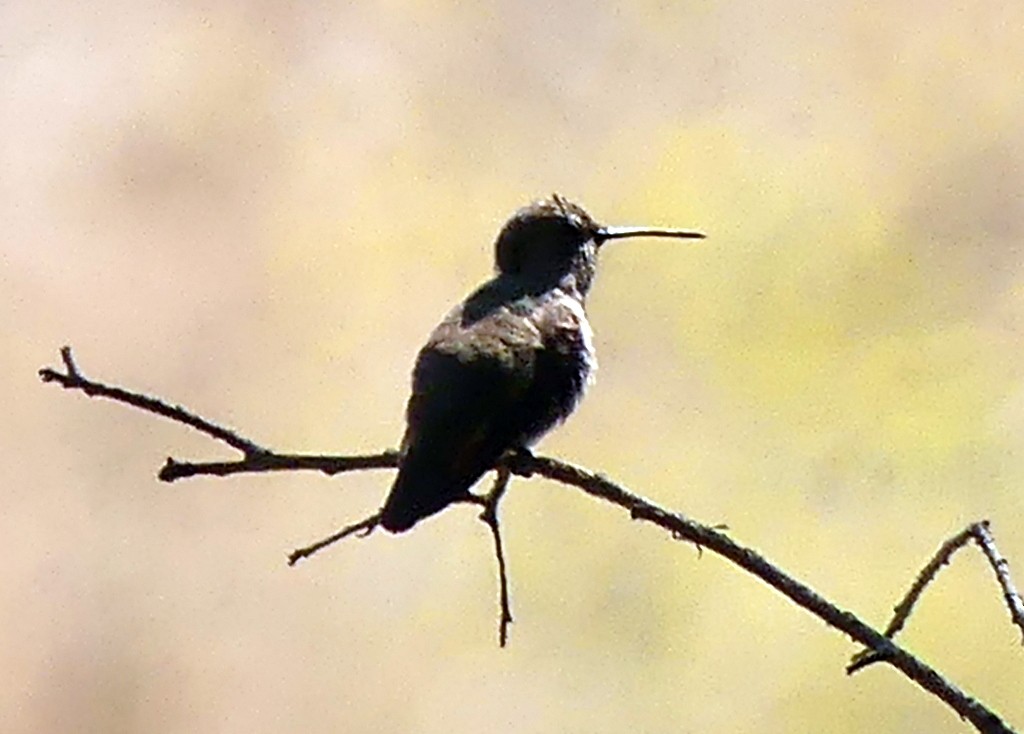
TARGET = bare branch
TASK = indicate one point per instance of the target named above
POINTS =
(75, 380)
(258, 459)
(255, 458)
(984, 719)
(268, 461)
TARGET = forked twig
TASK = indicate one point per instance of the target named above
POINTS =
(74, 380)
(981, 534)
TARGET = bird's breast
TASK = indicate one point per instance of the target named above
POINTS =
(581, 340)
(563, 365)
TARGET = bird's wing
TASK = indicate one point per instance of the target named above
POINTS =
(468, 383)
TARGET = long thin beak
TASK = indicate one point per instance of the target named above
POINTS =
(617, 233)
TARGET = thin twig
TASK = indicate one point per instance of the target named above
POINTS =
(983, 537)
(902, 610)
(269, 461)
(942, 557)
(490, 517)
(365, 526)
(73, 379)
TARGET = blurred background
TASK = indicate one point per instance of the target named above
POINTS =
(261, 209)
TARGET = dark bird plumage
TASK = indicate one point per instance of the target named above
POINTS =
(507, 364)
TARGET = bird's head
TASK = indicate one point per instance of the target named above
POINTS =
(554, 239)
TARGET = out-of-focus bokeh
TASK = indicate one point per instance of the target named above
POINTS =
(261, 209)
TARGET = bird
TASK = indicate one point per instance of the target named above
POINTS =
(507, 364)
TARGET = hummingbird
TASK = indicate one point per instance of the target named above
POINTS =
(506, 365)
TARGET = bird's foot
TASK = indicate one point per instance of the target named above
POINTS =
(470, 498)
(520, 461)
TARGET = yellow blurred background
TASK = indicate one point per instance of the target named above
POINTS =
(260, 210)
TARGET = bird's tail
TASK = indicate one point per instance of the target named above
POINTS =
(436, 469)
(418, 492)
